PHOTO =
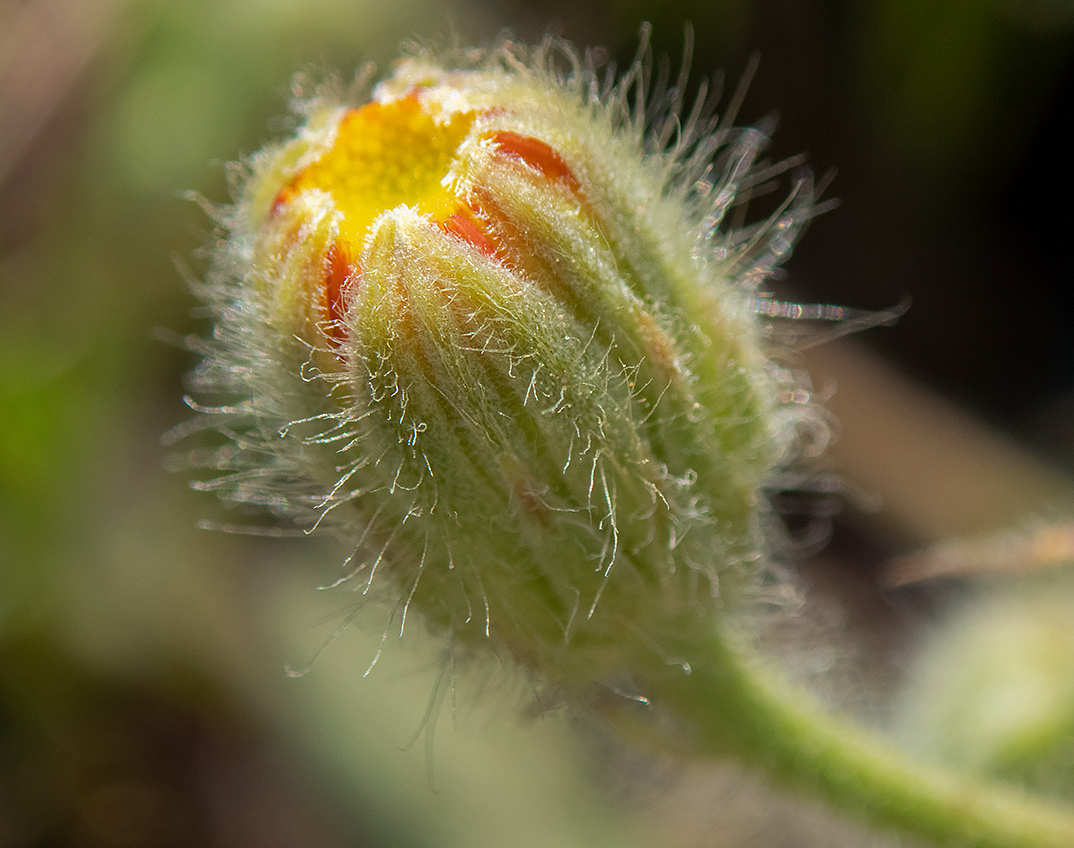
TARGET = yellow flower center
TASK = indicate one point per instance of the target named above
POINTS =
(398, 153)
(384, 155)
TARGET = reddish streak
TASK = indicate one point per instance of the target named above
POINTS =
(537, 154)
(283, 196)
(339, 268)
(462, 225)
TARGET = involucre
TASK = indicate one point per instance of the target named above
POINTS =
(486, 320)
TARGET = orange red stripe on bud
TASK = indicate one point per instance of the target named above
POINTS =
(538, 155)
(464, 225)
(341, 274)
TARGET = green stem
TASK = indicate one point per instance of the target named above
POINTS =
(732, 705)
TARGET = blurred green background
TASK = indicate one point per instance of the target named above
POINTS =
(143, 699)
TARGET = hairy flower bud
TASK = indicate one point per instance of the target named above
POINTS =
(993, 689)
(488, 323)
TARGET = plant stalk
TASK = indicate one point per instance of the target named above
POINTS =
(731, 705)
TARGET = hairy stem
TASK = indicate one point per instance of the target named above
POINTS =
(732, 706)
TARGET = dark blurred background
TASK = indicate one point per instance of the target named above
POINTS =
(142, 694)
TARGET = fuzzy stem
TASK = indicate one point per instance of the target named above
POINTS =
(733, 706)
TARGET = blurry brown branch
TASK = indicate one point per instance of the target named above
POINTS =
(45, 47)
(940, 475)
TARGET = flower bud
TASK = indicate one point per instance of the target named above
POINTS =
(486, 323)
(992, 691)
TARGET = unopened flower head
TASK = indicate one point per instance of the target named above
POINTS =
(486, 320)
